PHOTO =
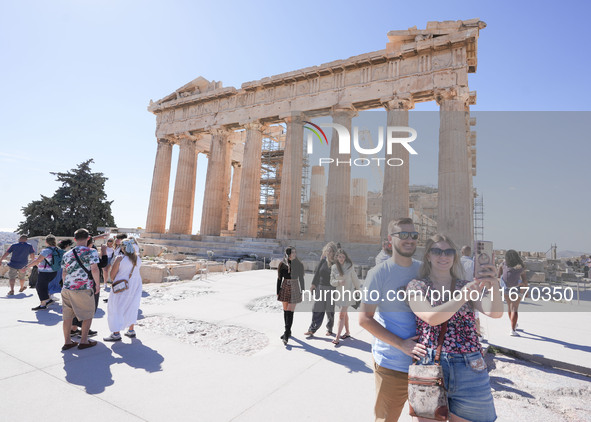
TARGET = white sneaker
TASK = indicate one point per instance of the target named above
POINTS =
(515, 333)
(113, 337)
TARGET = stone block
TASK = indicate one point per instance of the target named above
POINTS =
(536, 277)
(247, 266)
(152, 250)
(274, 264)
(184, 271)
(215, 267)
(153, 273)
(174, 256)
(231, 266)
(534, 265)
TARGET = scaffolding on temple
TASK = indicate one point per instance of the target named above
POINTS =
(271, 166)
(478, 217)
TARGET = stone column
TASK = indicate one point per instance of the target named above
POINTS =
(247, 220)
(183, 202)
(395, 190)
(358, 210)
(338, 195)
(213, 198)
(290, 199)
(227, 182)
(454, 196)
(317, 192)
(156, 221)
(235, 194)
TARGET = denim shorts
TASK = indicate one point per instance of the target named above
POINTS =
(467, 383)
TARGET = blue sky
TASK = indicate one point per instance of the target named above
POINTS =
(77, 77)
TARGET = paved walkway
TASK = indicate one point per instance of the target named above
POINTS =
(160, 376)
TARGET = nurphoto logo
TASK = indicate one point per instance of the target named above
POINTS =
(344, 140)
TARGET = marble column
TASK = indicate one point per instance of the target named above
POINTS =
(235, 194)
(183, 201)
(395, 190)
(156, 221)
(290, 199)
(247, 220)
(338, 195)
(358, 210)
(317, 193)
(227, 183)
(213, 198)
(454, 218)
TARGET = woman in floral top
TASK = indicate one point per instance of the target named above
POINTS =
(465, 373)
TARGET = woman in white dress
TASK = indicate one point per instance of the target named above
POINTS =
(344, 278)
(123, 307)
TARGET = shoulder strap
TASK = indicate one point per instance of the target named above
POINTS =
(443, 329)
(81, 264)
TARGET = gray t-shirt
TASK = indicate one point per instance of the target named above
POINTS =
(386, 288)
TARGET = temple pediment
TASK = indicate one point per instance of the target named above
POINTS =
(196, 87)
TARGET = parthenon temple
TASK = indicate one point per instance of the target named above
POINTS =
(254, 141)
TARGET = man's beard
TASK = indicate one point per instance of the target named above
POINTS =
(405, 254)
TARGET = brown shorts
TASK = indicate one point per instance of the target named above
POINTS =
(13, 273)
(391, 393)
(78, 303)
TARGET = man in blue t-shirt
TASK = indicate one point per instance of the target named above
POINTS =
(21, 253)
(387, 316)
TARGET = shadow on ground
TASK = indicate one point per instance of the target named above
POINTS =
(91, 368)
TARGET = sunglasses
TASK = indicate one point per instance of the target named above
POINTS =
(405, 235)
(445, 252)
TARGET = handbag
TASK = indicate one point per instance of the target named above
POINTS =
(123, 284)
(427, 397)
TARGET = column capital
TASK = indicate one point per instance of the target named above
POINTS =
(399, 103)
(253, 125)
(297, 118)
(449, 94)
(219, 131)
(165, 141)
(348, 110)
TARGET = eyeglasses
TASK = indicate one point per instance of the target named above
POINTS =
(445, 252)
(405, 235)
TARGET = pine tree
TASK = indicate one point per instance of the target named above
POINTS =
(80, 202)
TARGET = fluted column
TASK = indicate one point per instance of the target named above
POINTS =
(227, 183)
(183, 201)
(290, 200)
(338, 195)
(235, 194)
(317, 193)
(213, 198)
(395, 191)
(358, 210)
(454, 218)
(250, 186)
(156, 221)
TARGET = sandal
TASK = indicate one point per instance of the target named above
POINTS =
(330, 333)
(345, 336)
(335, 342)
(10, 293)
(22, 289)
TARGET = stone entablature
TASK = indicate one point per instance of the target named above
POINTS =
(409, 67)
